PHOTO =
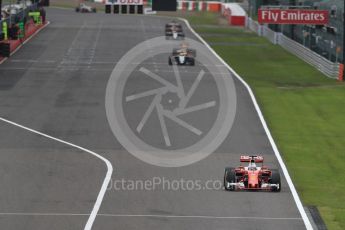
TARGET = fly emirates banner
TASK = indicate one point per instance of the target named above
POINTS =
(278, 16)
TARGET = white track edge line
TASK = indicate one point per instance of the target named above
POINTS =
(106, 180)
(264, 124)
(200, 217)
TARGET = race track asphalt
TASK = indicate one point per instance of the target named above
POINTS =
(56, 84)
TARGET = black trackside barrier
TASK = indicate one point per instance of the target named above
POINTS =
(132, 9)
(140, 9)
(5, 49)
(107, 9)
(116, 9)
(164, 5)
(123, 9)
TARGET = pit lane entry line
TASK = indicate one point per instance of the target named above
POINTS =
(97, 205)
(264, 124)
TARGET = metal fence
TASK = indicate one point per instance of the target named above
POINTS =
(330, 69)
(325, 66)
(254, 26)
(270, 35)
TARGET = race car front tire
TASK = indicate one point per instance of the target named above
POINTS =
(275, 179)
(229, 176)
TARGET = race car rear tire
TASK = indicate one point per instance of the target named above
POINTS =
(275, 179)
(229, 176)
(193, 51)
(192, 62)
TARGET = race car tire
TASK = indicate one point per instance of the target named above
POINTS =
(226, 171)
(174, 53)
(193, 51)
(229, 176)
(94, 10)
(275, 179)
(192, 62)
(77, 9)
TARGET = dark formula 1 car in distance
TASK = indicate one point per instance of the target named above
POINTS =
(183, 56)
(252, 177)
(83, 8)
(173, 30)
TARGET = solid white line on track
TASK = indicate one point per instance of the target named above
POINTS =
(152, 215)
(264, 124)
(201, 217)
(97, 205)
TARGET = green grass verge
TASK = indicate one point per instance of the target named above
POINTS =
(202, 18)
(304, 109)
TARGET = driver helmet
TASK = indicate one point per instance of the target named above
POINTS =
(252, 166)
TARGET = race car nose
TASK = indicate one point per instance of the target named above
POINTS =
(253, 185)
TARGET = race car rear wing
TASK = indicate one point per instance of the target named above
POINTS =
(257, 159)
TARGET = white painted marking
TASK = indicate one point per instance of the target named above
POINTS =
(31, 61)
(149, 215)
(69, 57)
(106, 180)
(203, 217)
(93, 49)
(264, 124)
(41, 214)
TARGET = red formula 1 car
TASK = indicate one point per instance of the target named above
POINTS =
(252, 177)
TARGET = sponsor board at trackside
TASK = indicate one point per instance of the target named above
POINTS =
(124, 2)
(278, 16)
